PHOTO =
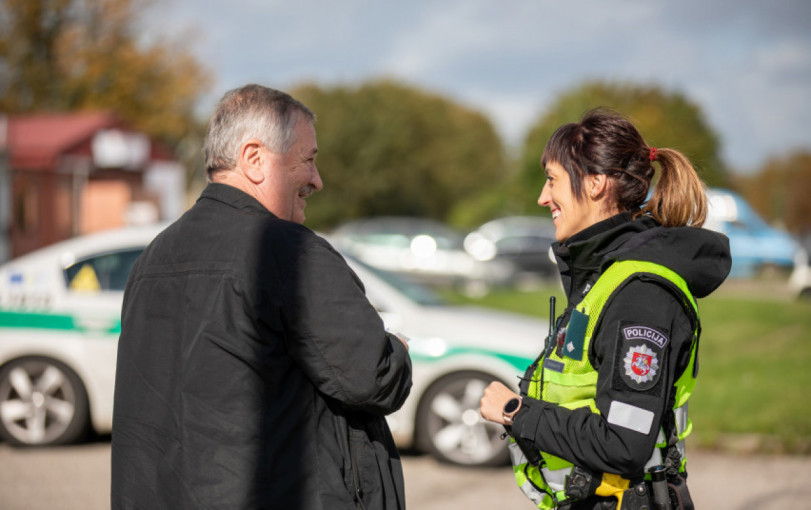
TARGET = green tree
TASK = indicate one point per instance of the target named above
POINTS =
(389, 149)
(781, 191)
(64, 55)
(664, 119)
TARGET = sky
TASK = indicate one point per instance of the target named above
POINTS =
(745, 63)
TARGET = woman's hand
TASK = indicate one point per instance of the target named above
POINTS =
(493, 400)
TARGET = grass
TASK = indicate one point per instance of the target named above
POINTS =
(754, 365)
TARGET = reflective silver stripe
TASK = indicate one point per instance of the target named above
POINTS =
(681, 418)
(630, 417)
(556, 480)
(517, 457)
(532, 493)
(681, 426)
(656, 457)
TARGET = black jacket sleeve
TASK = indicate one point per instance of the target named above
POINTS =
(337, 337)
(641, 347)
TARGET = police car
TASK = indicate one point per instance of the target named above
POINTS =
(60, 321)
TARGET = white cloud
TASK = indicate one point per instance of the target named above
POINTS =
(746, 63)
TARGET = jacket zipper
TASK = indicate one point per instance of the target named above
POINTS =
(356, 476)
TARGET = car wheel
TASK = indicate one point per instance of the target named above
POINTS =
(42, 402)
(450, 426)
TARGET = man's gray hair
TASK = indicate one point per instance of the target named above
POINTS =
(252, 111)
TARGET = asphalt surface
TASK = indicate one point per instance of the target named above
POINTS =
(78, 477)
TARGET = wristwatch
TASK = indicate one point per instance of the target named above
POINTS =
(510, 408)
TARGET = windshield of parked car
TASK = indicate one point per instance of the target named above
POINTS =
(417, 293)
(102, 272)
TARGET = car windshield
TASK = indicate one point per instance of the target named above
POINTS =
(399, 232)
(421, 295)
(102, 272)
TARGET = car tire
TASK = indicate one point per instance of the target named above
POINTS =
(42, 402)
(450, 427)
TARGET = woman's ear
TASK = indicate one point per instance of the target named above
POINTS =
(596, 186)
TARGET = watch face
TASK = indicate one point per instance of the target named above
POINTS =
(511, 405)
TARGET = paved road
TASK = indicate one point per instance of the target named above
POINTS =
(78, 478)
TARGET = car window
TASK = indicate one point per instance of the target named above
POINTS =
(523, 244)
(383, 239)
(104, 272)
(412, 291)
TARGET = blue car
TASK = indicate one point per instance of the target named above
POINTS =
(754, 244)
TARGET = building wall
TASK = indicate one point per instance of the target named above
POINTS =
(5, 205)
(40, 210)
(104, 205)
(63, 175)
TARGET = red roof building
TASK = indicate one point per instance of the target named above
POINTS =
(67, 174)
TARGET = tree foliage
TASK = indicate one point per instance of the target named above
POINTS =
(64, 55)
(388, 149)
(781, 192)
(664, 119)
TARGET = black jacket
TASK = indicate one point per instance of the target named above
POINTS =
(701, 257)
(252, 371)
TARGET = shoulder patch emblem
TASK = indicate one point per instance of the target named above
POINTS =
(641, 364)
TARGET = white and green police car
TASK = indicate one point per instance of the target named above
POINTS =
(60, 320)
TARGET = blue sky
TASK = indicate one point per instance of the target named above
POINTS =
(746, 63)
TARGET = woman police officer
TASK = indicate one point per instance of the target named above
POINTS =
(603, 408)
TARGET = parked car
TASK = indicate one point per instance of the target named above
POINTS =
(753, 243)
(60, 321)
(423, 250)
(522, 241)
(800, 279)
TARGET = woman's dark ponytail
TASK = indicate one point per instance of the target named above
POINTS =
(679, 197)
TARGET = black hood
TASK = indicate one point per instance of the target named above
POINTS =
(698, 255)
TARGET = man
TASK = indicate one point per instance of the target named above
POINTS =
(252, 371)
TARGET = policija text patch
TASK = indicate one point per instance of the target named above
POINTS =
(644, 333)
(641, 350)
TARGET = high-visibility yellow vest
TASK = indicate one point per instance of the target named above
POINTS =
(575, 386)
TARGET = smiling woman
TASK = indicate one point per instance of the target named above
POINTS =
(614, 377)
(572, 213)
(602, 166)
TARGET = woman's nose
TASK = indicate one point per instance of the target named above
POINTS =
(543, 200)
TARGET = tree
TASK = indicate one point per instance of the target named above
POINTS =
(664, 119)
(388, 149)
(63, 55)
(781, 192)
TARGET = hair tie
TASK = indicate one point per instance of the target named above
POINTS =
(653, 154)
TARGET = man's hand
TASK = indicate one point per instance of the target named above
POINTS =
(492, 403)
(402, 338)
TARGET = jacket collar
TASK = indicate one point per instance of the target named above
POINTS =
(698, 255)
(233, 197)
(584, 256)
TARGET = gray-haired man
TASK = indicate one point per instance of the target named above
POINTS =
(252, 371)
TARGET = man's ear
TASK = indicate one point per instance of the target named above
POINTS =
(251, 158)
